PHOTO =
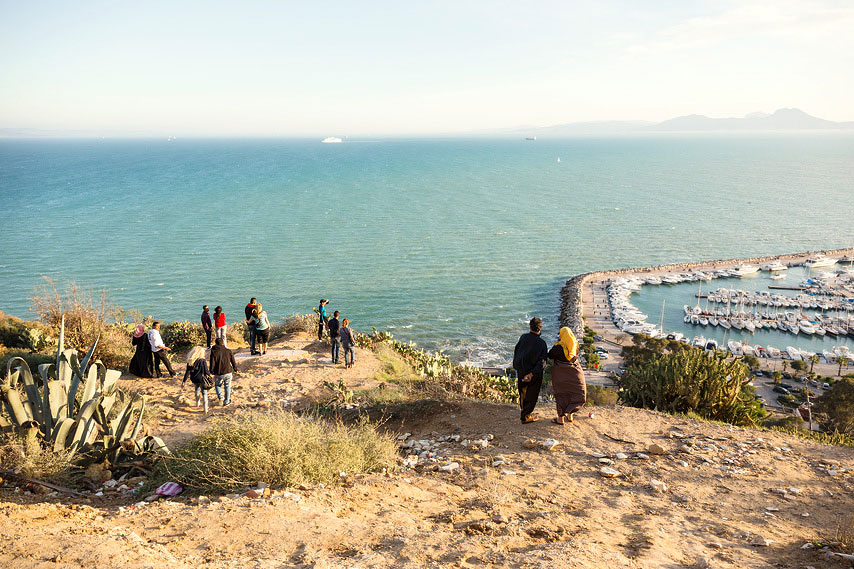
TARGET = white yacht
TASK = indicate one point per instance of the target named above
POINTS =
(774, 267)
(818, 261)
(794, 353)
(331, 140)
(744, 270)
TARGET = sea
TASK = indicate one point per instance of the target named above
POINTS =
(450, 243)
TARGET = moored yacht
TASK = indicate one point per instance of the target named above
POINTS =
(774, 266)
(818, 261)
(744, 270)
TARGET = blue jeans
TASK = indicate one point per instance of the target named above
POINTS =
(223, 381)
(251, 339)
(349, 351)
(336, 349)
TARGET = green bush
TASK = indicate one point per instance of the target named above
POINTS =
(184, 334)
(601, 396)
(836, 405)
(282, 449)
(692, 381)
(33, 360)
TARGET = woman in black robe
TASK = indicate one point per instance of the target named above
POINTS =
(142, 363)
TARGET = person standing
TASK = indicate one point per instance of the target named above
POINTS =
(348, 342)
(219, 323)
(334, 327)
(142, 363)
(528, 357)
(321, 310)
(568, 384)
(249, 310)
(262, 328)
(159, 350)
(207, 325)
(197, 372)
(223, 367)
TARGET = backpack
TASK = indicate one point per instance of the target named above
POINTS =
(198, 375)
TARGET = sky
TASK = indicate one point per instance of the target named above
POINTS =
(321, 68)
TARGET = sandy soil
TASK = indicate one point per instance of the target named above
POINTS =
(735, 498)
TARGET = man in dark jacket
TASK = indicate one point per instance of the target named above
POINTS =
(334, 327)
(206, 323)
(222, 368)
(528, 358)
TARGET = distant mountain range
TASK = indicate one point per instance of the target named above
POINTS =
(782, 119)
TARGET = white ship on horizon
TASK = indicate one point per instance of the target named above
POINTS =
(331, 140)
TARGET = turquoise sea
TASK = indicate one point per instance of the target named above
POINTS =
(451, 243)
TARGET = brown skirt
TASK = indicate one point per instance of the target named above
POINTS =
(568, 386)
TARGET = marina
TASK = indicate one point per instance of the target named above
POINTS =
(734, 305)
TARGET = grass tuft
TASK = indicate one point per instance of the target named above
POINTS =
(282, 449)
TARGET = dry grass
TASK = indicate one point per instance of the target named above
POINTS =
(88, 316)
(601, 396)
(298, 323)
(282, 449)
(30, 459)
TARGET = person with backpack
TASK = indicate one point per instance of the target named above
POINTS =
(249, 310)
(223, 368)
(197, 372)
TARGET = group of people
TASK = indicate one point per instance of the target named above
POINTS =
(218, 374)
(340, 335)
(568, 385)
(257, 323)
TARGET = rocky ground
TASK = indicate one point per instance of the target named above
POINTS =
(474, 488)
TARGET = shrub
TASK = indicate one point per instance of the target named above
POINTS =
(33, 360)
(690, 380)
(88, 316)
(837, 406)
(17, 333)
(300, 323)
(600, 396)
(33, 460)
(184, 334)
(282, 449)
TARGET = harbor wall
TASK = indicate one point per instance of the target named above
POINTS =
(571, 295)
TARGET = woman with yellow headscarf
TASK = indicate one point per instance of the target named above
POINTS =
(568, 384)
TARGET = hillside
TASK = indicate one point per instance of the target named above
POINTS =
(734, 498)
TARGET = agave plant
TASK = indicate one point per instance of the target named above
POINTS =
(71, 407)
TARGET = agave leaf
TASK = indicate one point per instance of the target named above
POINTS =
(111, 376)
(47, 371)
(104, 409)
(60, 434)
(84, 425)
(60, 343)
(55, 400)
(91, 385)
(85, 363)
(153, 444)
(67, 364)
(138, 419)
(119, 424)
(14, 406)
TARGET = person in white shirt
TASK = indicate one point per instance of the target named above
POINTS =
(159, 350)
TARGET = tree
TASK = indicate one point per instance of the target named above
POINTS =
(837, 404)
(799, 365)
(777, 377)
(752, 362)
(843, 361)
(813, 361)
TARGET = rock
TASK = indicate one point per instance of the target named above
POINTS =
(152, 497)
(654, 448)
(606, 461)
(203, 500)
(253, 494)
(608, 472)
(404, 436)
(760, 541)
(597, 455)
(682, 463)
(508, 473)
(715, 545)
(703, 563)
(530, 444)
(499, 519)
(658, 486)
(621, 456)
(642, 456)
(450, 467)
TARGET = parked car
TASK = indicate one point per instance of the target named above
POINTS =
(781, 389)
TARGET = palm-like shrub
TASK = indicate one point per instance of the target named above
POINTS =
(692, 381)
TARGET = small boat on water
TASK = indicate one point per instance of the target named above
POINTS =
(331, 140)
(778, 276)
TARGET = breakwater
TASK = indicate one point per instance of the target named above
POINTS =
(572, 297)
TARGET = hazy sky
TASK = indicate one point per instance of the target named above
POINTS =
(348, 68)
